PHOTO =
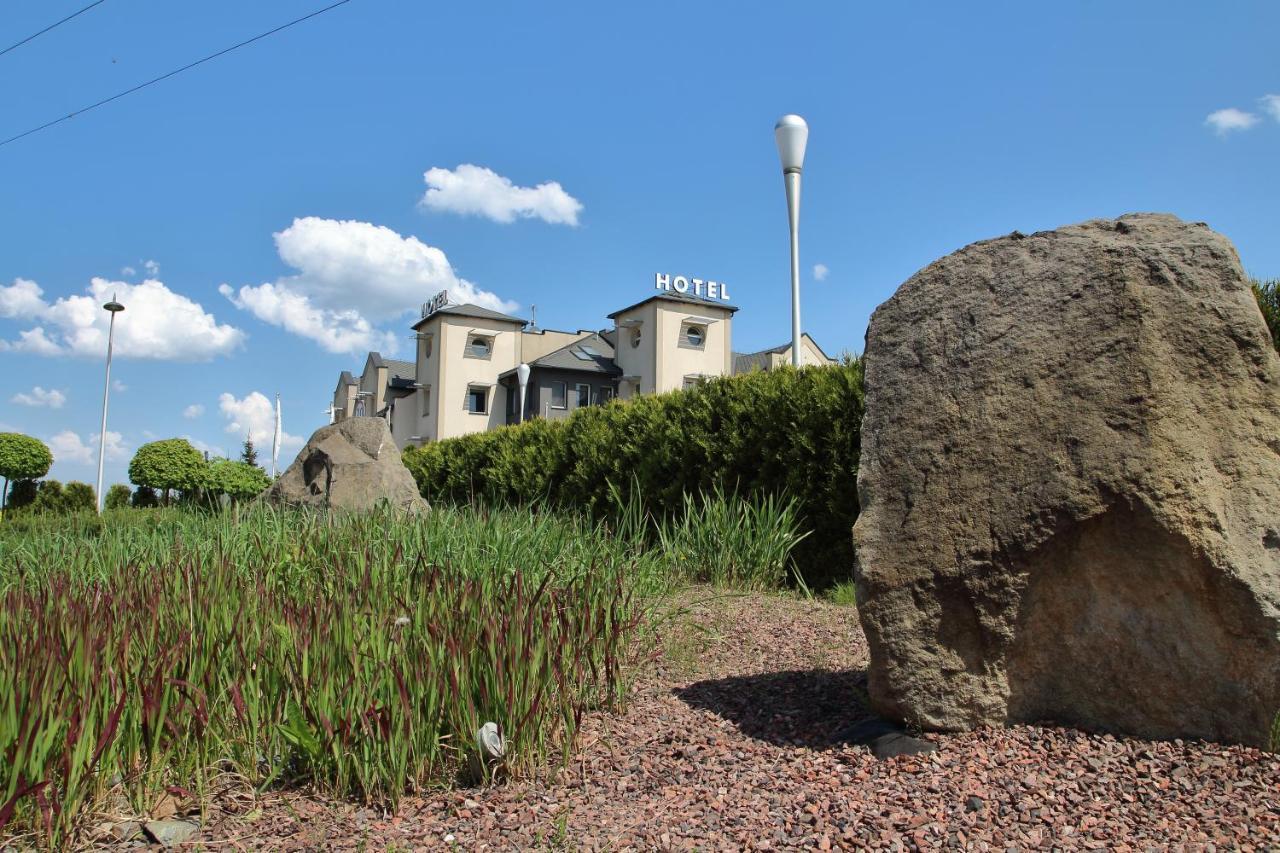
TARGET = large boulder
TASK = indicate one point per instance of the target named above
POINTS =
(351, 465)
(1070, 487)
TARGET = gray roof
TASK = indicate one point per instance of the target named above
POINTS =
(745, 361)
(469, 310)
(397, 369)
(591, 354)
(678, 297)
(345, 378)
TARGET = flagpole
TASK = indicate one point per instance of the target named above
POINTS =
(275, 442)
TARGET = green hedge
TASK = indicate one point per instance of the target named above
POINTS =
(782, 432)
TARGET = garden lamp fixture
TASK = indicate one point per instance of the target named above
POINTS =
(113, 307)
(522, 373)
(792, 134)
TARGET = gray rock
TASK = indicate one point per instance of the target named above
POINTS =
(1069, 485)
(350, 465)
(170, 833)
(884, 739)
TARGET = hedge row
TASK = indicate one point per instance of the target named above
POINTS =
(782, 432)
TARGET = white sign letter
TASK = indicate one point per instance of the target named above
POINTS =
(697, 286)
(661, 281)
(681, 284)
(724, 291)
(713, 290)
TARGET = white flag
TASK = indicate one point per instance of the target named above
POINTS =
(275, 443)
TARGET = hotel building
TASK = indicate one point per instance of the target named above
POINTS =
(465, 379)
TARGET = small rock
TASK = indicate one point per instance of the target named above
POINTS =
(974, 804)
(126, 830)
(170, 833)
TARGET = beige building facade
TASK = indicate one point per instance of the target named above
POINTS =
(465, 376)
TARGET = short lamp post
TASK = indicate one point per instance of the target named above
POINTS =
(114, 308)
(792, 134)
(522, 374)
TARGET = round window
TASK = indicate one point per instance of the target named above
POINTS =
(635, 336)
(695, 335)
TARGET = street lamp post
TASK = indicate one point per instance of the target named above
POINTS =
(522, 374)
(791, 133)
(113, 308)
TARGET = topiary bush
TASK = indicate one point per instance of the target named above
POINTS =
(21, 458)
(169, 465)
(237, 479)
(779, 433)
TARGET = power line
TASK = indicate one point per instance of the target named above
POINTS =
(176, 71)
(51, 26)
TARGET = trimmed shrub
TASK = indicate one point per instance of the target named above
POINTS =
(781, 433)
(238, 480)
(169, 465)
(118, 496)
(144, 497)
(22, 458)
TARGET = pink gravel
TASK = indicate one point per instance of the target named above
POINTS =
(731, 742)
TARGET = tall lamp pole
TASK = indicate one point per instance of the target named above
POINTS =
(791, 133)
(113, 308)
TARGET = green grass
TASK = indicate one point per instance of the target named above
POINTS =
(155, 651)
(844, 594)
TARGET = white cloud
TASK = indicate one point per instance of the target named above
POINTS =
(352, 275)
(255, 416)
(128, 271)
(156, 323)
(820, 272)
(21, 300)
(205, 447)
(66, 446)
(193, 411)
(152, 268)
(117, 385)
(477, 191)
(1230, 119)
(1271, 105)
(53, 398)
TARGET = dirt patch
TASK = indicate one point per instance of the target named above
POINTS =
(731, 741)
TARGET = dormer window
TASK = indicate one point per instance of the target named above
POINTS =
(479, 346)
(635, 336)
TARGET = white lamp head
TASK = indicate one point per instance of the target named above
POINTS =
(522, 373)
(791, 134)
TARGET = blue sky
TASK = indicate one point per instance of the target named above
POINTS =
(284, 183)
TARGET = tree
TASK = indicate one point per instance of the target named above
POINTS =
(118, 496)
(169, 464)
(21, 458)
(249, 455)
(1268, 295)
(237, 479)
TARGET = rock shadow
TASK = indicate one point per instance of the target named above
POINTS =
(812, 708)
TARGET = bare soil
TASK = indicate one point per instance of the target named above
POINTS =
(731, 741)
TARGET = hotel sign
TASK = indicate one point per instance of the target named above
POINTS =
(437, 302)
(692, 286)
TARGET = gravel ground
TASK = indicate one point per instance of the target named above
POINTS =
(731, 742)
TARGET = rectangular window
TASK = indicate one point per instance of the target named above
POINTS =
(559, 396)
(478, 400)
(584, 395)
(426, 402)
(605, 395)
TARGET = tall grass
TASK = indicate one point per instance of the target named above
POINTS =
(745, 544)
(158, 651)
(359, 654)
